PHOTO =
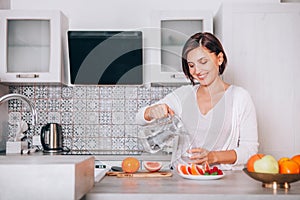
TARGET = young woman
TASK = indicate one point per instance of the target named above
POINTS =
(219, 117)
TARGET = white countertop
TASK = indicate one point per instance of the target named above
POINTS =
(235, 185)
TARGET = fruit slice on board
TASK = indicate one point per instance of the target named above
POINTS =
(152, 166)
(130, 165)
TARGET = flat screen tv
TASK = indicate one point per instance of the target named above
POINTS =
(106, 57)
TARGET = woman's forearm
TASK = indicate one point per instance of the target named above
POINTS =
(222, 157)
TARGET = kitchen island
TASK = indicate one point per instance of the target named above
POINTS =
(234, 185)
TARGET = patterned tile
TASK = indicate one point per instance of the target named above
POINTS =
(41, 104)
(105, 143)
(67, 130)
(118, 130)
(79, 118)
(54, 117)
(118, 117)
(42, 118)
(105, 117)
(92, 117)
(14, 105)
(105, 130)
(131, 143)
(131, 92)
(66, 105)
(118, 105)
(118, 92)
(54, 104)
(105, 105)
(67, 118)
(118, 143)
(79, 104)
(14, 117)
(92, 105)
(28, 91)
(92, 92)
(131, 131)
(26, 117)
(55, 92)
(92, 130)
(41, 92)
(105, 92)
(67, 92)
(80, 92)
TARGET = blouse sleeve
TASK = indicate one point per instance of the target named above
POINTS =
(247, 128)
(172, 100)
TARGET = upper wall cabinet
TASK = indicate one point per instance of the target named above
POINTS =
(33, 50)
(166, 37)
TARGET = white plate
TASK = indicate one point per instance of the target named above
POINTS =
(202, 177)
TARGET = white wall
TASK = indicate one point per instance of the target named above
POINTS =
(117, 14)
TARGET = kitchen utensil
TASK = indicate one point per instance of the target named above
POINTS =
(51, 138)
(141, 174)
(274, 180)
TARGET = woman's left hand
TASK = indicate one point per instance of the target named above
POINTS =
(201, 155)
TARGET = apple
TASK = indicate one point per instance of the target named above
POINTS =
(267, 164)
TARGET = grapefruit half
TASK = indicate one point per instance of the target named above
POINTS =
(152, 166)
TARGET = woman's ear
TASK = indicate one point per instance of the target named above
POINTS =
(220, 58)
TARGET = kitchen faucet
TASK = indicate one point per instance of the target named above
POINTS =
(23, 98)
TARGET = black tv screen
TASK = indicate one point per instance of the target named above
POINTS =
(106, 57)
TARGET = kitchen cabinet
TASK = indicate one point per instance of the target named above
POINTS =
(262, 44)
(165, 39)
(34, 46)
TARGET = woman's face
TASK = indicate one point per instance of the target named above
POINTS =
(204, 65)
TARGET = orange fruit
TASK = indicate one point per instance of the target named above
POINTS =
(289, 167)
(130, 165)
(296, 158)
(281, 160)
(252, 159)
(152, 166)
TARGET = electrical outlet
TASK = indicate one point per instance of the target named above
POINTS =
(36, 140)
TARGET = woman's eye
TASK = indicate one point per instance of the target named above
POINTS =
(203, 61)
(191, 66)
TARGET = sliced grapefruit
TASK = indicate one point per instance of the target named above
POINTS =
(182, 169)
(152, 166)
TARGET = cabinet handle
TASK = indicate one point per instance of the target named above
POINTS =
(178, 76)
(27, 76)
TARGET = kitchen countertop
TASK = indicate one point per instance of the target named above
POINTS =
(234, 185)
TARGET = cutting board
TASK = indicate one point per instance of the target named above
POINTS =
(141, 174)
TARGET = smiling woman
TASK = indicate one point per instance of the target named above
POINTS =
(219, 117)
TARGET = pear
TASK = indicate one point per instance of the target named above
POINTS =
(267, 164)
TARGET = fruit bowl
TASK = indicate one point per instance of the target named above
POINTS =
(274, 180)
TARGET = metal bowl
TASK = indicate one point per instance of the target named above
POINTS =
(274, 180)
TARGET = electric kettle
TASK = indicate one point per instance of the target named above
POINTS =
(51, 138)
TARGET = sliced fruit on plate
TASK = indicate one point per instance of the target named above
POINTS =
(196, 169)
(182, 169)
(152, 166)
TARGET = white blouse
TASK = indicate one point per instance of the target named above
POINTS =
(230, 125)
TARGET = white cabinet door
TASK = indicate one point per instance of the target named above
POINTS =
(262, 42)
(33, 46)
(165, 40)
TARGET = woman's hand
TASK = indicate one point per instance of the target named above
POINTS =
(201, 156)
(157, 111)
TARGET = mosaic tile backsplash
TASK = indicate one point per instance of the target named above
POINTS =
(94, 119)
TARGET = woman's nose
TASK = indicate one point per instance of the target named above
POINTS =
(197, 68)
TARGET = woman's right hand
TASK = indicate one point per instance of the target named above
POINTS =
(157, 112)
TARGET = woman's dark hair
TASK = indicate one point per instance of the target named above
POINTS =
(207, 40)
